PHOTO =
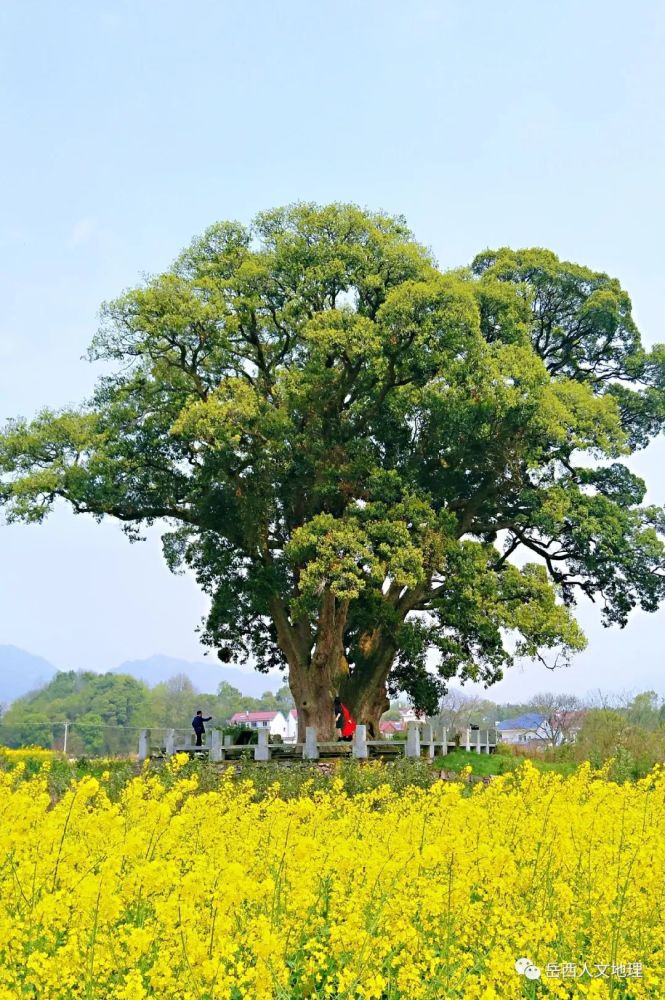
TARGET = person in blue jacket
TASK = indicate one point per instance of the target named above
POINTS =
(198, 727)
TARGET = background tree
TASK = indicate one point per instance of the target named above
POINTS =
(230, 700)
(27, 729)
(350, 447)
(602, 731)
(644, 710)
(459, 710)
(88, 736)
(562, 715)
(172, 703)
(106, 711)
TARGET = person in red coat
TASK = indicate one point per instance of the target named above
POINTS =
(344, 722)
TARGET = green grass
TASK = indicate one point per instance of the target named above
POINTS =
(497, 763)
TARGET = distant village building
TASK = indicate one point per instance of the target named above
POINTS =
(523, 729)
(410, 715)
(570, 724)
(561, 727)
(275, 722)
(389, 728)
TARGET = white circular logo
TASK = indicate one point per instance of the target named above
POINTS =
(525, 967)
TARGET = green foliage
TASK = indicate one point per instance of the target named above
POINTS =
(644, 711)
(102, 709)
(622, 765)
(480, 764)
(106, 711)
(602, 730)
(338, 435)
(629, 741)
(26, 728)
(392, 715)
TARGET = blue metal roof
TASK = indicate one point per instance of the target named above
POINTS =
(530, 720)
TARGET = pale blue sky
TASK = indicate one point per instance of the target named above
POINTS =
(129, 126)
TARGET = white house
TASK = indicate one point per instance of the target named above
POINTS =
(523, 729)
(275, 722)
(292, 726)
(410, 715)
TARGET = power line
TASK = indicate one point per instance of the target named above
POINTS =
(93, 725)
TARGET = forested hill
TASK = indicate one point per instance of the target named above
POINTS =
(105, 711)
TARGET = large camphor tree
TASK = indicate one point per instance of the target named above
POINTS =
(353, 452)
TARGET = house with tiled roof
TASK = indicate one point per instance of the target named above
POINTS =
(389, 727)
(523, 729)
(274, 722)
(411, 715)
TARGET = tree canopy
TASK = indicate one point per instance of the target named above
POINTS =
(352, 450)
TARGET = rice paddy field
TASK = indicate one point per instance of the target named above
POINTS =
(373, 882)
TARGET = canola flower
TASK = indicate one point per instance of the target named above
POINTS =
(429, 893)
(26, 753)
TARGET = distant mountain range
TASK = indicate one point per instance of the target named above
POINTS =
(205, 677)
(21, 672)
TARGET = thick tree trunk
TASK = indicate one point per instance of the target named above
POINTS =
(317, 677)
(314, 694)
(365, 691)
(368, 706)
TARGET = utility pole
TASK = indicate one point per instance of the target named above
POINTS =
(64, 742)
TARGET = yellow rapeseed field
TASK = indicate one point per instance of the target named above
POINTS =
(433, 893)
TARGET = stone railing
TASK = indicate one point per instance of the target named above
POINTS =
(421, 740)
